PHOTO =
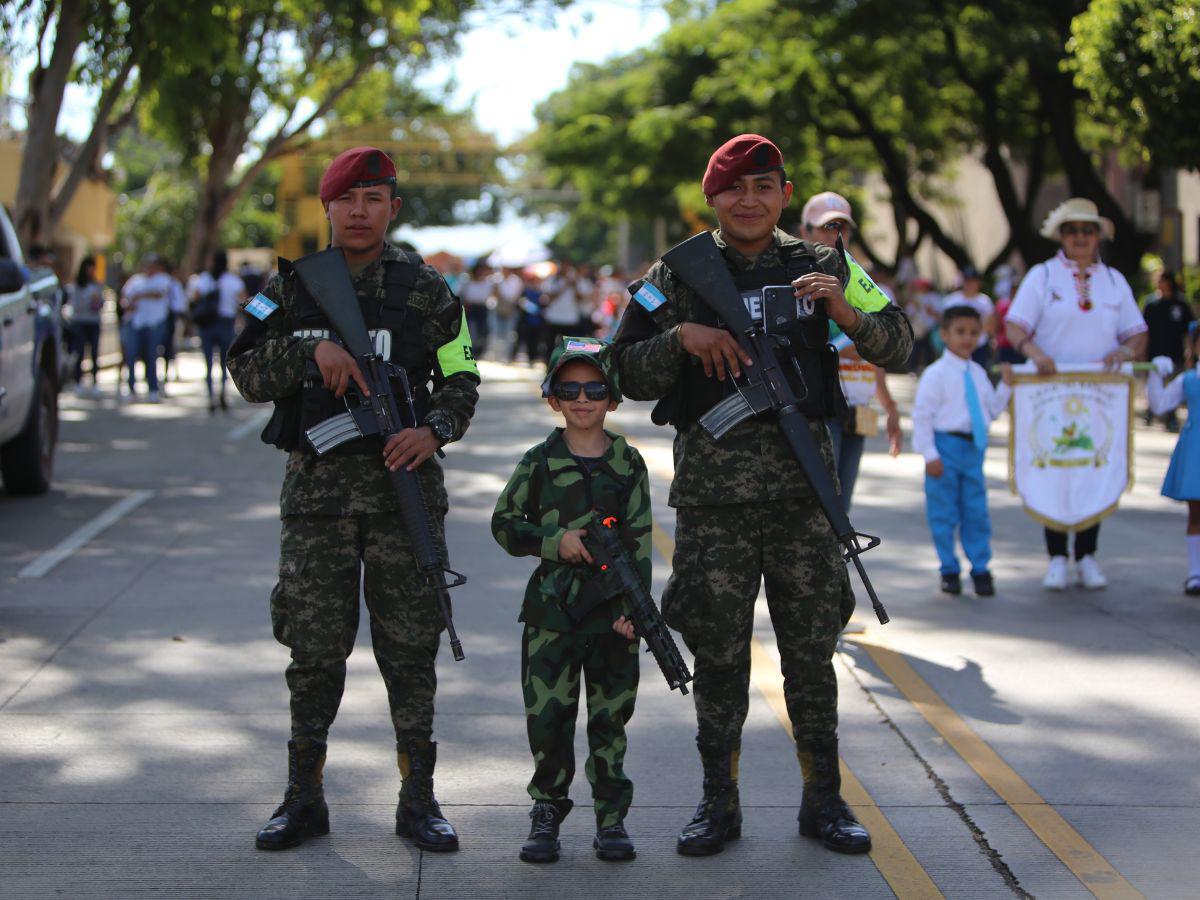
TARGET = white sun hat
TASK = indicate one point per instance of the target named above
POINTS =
(1076, 209)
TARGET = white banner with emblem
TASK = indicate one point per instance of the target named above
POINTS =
(1070, 447)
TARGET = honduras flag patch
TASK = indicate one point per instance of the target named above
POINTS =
(650, 297)
(260, 306)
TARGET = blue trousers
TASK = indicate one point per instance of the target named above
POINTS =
(848, 453)
(142, 344)
(957, 502)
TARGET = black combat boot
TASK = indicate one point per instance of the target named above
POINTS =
(823, 812)
(612, 843)
(303, 813)
(418, 816)
(543, 845)
(719, 816)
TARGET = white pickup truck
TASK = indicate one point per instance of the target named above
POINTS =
(31, 351)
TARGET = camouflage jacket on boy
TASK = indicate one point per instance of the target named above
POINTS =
(549, 494)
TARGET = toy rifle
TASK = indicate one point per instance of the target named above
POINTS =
(611, 557)
(764, 390)
(327, 279)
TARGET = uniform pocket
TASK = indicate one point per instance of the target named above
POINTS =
(291, 568)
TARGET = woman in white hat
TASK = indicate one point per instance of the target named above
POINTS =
(1072, 308)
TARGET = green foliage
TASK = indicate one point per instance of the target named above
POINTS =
(1139, 62)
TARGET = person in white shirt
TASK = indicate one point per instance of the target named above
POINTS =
(145, 298)
(1072, 308)
(954, 405)
(971, 295)
(216, 333)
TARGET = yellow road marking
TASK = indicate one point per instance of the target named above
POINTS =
(895, 862)
(1084, 861)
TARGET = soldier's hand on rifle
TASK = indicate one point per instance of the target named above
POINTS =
(410, 448)
(625, 628)
(819, 286)
(716, 347)
(571, 548)
(934, 468)
(338, 368)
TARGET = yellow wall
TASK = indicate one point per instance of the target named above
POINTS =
(89, 224)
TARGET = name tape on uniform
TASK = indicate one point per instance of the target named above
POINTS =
(585, 346)
(260, 306)
(650, 297)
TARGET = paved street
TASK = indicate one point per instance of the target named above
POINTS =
(1026, 744)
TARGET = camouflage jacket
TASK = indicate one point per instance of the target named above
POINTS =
(550, 494)
(753, 462)
(272, 368)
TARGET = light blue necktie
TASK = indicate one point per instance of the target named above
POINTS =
(978, 423)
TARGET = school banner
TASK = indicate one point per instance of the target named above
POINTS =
(1070, 447)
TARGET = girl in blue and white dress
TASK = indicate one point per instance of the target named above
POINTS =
(1183, 475)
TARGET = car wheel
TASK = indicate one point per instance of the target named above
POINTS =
(27, 461)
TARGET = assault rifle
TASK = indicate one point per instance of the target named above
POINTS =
(611, 557)
(764, 389)
(327, 279)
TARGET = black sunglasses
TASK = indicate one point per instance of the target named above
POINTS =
(569, 390)
(1088, 229)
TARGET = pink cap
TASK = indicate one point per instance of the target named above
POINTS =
(825, 207)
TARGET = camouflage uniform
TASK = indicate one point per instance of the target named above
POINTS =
(340, 515)
(549, 494)
(746, 514)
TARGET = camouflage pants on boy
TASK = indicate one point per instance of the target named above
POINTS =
(551, 664)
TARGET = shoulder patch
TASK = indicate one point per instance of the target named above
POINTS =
(260, 306)
(584, 346)
(650, 297)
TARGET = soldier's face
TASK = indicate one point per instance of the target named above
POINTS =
(749, 210)
(359, 218)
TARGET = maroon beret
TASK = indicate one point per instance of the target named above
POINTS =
(358, 167)
(746, 154)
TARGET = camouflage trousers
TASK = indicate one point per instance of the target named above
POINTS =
(722, 555)
(323, 561)
(551, 664)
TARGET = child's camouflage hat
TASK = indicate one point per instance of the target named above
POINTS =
(592, 350)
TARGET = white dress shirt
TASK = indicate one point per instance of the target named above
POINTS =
(1050, 307)
(941, 402)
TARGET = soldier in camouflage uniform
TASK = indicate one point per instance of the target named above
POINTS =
(745, 513)
(569, 627)
(340, 512)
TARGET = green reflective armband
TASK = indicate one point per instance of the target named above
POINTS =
(861, 292)
(455, 356)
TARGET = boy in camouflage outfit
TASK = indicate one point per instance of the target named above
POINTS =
(568, 629)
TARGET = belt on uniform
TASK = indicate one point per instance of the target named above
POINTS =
(965, 435)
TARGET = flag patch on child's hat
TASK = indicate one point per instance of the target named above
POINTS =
(584, 346)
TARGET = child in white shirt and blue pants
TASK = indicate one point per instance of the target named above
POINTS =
(955, 403)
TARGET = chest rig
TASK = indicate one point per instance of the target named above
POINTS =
(396, 329)
(803, 351)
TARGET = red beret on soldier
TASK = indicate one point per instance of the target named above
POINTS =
(357, 167)
(746, 154)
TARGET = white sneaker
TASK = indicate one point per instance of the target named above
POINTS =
(1057, 574)
(1090, 575)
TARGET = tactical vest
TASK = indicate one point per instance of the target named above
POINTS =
(809, 363)
(315, 403)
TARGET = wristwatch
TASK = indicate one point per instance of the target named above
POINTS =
(441, 428)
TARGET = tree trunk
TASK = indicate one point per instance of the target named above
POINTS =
(215, 201)
(46, 87)
(92, 148)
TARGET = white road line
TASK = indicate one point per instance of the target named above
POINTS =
(81, 536)
(256, 421)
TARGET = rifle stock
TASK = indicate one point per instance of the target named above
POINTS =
(327, 279)
(699, 264)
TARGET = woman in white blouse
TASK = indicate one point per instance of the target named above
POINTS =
(1072, 308)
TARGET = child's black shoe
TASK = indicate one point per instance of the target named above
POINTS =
(951, 584)
(613, 843)
(984, 585)
(543, 845)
